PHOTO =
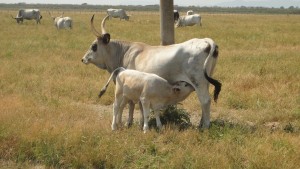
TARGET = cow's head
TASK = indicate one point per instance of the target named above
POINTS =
(178, 23)
(127, 17)
(99, 48)
(54, 18)
(18, 19)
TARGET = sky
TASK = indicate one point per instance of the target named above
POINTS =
(265, 3)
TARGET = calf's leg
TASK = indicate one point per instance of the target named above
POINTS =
(115, 113)
(158, 122)
(121, 108)
(130, 114)
(146, 111)
(141, 122)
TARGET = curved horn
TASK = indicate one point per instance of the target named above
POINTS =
(96, 33)
(103, 25)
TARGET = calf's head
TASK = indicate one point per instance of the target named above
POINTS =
(98, 50)
(182, 89)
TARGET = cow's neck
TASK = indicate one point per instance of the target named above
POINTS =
(118, 50)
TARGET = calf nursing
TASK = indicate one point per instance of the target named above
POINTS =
(152, 91)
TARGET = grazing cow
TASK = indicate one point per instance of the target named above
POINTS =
(190, 12)
(192, 61)
(28, 14)
(176, 15)
(62, 22)
(189, 20)
(117, 13)
(151, 90)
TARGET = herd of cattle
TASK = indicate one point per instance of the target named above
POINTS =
(62, 22)
(152, 76)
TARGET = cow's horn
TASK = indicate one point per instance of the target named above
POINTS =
(103, 25)
(93, 27)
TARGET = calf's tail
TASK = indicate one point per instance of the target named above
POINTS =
(113, 75)
(209, 66)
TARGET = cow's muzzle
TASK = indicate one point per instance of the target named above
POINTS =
(85, 61)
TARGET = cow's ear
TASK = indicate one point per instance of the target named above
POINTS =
(105, 38)
(176, 90)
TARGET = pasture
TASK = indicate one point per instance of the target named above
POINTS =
(50, 115)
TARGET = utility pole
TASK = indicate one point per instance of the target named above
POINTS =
(167, 22)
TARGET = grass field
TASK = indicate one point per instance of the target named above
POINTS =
(50, 115)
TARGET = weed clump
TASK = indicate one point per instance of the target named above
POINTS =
(173, 116)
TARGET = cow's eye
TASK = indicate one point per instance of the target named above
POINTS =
(94, 47)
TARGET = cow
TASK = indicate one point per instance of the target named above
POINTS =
(176, 15)
(190, 12)
(189, 20)
(152, 91)
(28, 14)
(62, 22)
(192, 61)
(117, 13)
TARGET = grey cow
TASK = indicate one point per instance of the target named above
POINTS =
(28, 14)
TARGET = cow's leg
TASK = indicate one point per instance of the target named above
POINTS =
(130, 114)
(204, 98)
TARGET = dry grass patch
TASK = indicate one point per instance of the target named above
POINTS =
(50, 115)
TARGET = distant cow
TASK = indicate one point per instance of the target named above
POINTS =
(151, 90)
(189, 20)
(28, 14)
(176, 15)
(117, 13)
(62, 22)
(190, 12)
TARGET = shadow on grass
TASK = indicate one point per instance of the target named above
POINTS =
(174, 116)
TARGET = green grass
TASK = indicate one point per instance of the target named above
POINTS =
(50, 114)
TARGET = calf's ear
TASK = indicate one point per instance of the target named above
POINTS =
(105, 38)
(176, 90)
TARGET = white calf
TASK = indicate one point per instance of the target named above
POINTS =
(151, 90)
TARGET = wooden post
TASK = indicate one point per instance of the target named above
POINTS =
(167, 22)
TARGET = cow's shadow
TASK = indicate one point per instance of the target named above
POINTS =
(175, 118)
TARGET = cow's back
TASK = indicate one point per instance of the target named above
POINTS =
(170, 62)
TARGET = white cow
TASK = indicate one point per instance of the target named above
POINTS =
(192, 61)
(117, 13)
(62, 22)
(152, 91)
(190, 12)
(189, 20)
(28, 14)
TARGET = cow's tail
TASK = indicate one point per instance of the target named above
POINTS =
(113, 75)
(209, 66)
